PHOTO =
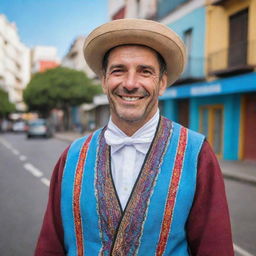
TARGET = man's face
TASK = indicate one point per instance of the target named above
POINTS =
(132, 84)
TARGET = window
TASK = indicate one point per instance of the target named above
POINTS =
(238, 26)
(188, 40)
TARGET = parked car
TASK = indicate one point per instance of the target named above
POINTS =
(19, 126)
(5, 125)
(39, 127)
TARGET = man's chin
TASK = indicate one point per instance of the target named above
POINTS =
(131, 118)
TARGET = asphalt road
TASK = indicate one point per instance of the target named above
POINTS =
(25, 172)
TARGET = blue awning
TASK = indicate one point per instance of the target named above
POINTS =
(235, 84)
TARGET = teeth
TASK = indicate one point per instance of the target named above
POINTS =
(130, 98)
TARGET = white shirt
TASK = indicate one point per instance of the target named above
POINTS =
(127, 160)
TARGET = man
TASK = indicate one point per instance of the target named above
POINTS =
(142, 185)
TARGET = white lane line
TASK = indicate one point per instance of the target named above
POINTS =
(28, 166)
(23, 158)
(33, 170)
(15, 152)
(6, 143)
(241, 251)
(10, 147)
(45, 181)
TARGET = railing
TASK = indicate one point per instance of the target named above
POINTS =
(194, 68)
(237, 56)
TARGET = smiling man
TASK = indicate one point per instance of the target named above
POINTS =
(133, 83)
(142, 185)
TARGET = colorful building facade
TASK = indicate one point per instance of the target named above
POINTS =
(217, 93)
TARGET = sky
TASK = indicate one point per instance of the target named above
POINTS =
(54, 22)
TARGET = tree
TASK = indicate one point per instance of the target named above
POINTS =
(6, 107)
(59, 88)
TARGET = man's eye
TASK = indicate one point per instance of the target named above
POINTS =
(116, 71)
(146, 72)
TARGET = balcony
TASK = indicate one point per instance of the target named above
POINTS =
(237, 59)
(194, 71)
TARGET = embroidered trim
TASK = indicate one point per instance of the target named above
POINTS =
(132, 224)
(107, 202)
(172, 193)
(77, 195)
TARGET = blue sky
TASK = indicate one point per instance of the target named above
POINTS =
(54, 22)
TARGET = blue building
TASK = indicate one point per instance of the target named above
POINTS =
(220, 103)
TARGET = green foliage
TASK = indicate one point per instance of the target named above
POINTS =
(6, 106)
(59, 88)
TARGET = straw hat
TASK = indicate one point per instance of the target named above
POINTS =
(136, 31)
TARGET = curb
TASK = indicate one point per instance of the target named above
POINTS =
(240, 177)
(64, 138)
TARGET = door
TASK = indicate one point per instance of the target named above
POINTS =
(183, 112)
(211, 125)
(250, 127)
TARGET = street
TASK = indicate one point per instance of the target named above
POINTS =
(25, 172)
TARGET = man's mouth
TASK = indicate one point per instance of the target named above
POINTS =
(128, 98)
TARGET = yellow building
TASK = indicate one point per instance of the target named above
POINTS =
(230, 37)
(231, 60)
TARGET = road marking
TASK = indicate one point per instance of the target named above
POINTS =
(15, 151)
(9, 146)
(45, 181)
(241, 251)
(28, 166)
(6, 143)
(23, 158)
(33, 170)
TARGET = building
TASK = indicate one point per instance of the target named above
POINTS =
(186, 18)
(75, 58)
(14, 63)
(82, 117)
(217, 92)
(116, 9)
(43, 58)
(231, 59)
(144, 9)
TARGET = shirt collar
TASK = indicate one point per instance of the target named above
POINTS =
(146, 131)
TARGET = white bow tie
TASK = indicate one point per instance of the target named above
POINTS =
(113, 140)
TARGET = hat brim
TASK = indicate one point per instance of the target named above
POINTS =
(136, 31)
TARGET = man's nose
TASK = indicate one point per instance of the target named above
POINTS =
(131, 81)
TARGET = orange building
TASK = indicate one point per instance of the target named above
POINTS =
(44, 65)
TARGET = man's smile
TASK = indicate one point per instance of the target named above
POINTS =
(131, 98)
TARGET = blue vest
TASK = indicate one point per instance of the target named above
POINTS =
(154, 220)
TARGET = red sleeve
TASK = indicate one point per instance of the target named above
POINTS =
(208, 226)
(50, 241)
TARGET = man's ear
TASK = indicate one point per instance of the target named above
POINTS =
(103, 83)
(162, 85)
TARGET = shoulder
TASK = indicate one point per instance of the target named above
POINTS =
(89, 138)
(192, 135)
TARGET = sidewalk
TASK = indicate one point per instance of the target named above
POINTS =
(68, 136)
(237, 170)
